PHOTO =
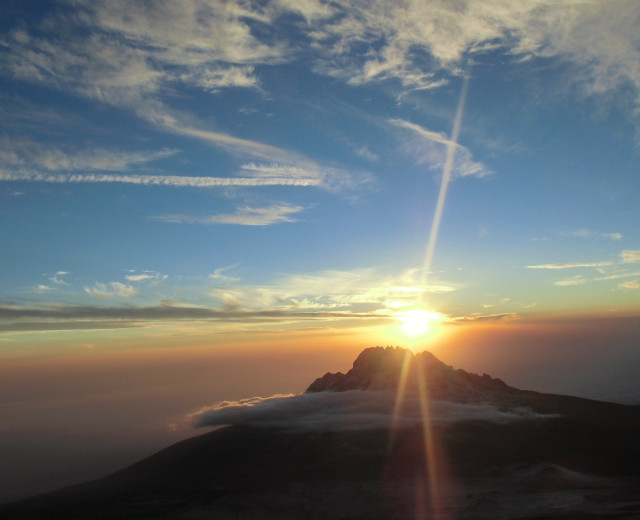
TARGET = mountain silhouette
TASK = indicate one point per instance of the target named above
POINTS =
(381, 368)
(480, 449)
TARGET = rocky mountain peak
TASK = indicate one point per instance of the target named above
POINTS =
(380, 368)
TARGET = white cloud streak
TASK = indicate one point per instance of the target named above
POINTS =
(613, 271)
(57, 278)
(147, 276)
(570, 265)
(101, 291)
(155, 180)
(431, 148)
(245, 216)
(359, 289)
(630, 256)
(351, 410)
(28, 154)
(28, 161)
(219, 274)
(139, 277)
(617, 276)
(586, 233)
(68, 317)
(578, 280)
(343, 298)
(331, 178)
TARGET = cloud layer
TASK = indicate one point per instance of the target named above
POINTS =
(351, 410)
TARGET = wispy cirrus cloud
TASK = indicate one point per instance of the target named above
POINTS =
(618, 276)
(608, 270)
(234, 145)
(131, 51)
(146, 277)
(430, 148)
(214, 78)
(630, 256)
(72, 317)
(219, 274)
(105, 167)
(42, 289)
(570, 282)
(358, 297)
(58, 278)
(570, 265)
(139, 277)
(26, 154)
(360, 290)
(481, 318)
(329, 177)
(245, 216)
(29, 161)
(580, 280)
(153, 180)
(102, 291)
(587, 233)
(419, 43)
(149, 312)
(132, 57)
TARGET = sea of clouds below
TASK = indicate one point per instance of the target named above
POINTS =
(351, 410)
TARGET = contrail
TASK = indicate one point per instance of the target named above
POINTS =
(446, 176)
(158, 180)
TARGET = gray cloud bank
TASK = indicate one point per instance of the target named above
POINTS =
(351, 410)
(67, 317)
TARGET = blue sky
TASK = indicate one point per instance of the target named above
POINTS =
(189, 166)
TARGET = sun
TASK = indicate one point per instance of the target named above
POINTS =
(416, 322)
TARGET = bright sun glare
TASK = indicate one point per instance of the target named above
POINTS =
(418, 321)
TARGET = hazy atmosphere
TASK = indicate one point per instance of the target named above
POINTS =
(207, 200)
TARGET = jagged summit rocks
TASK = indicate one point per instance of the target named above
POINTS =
(376, 368)
(380, 368)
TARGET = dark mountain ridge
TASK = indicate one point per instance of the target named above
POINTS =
(380, 368)
(578, 459)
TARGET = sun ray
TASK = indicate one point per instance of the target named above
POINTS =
(446, 177)
(429, 447)
(418, 321)
(400, 393)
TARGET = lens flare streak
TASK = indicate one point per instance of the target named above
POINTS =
(429, 448)
(446, 177)
(428, 498)
(400, 393)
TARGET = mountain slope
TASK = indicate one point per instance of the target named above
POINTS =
(580, 458)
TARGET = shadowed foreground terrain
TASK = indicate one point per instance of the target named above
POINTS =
(456, 445)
